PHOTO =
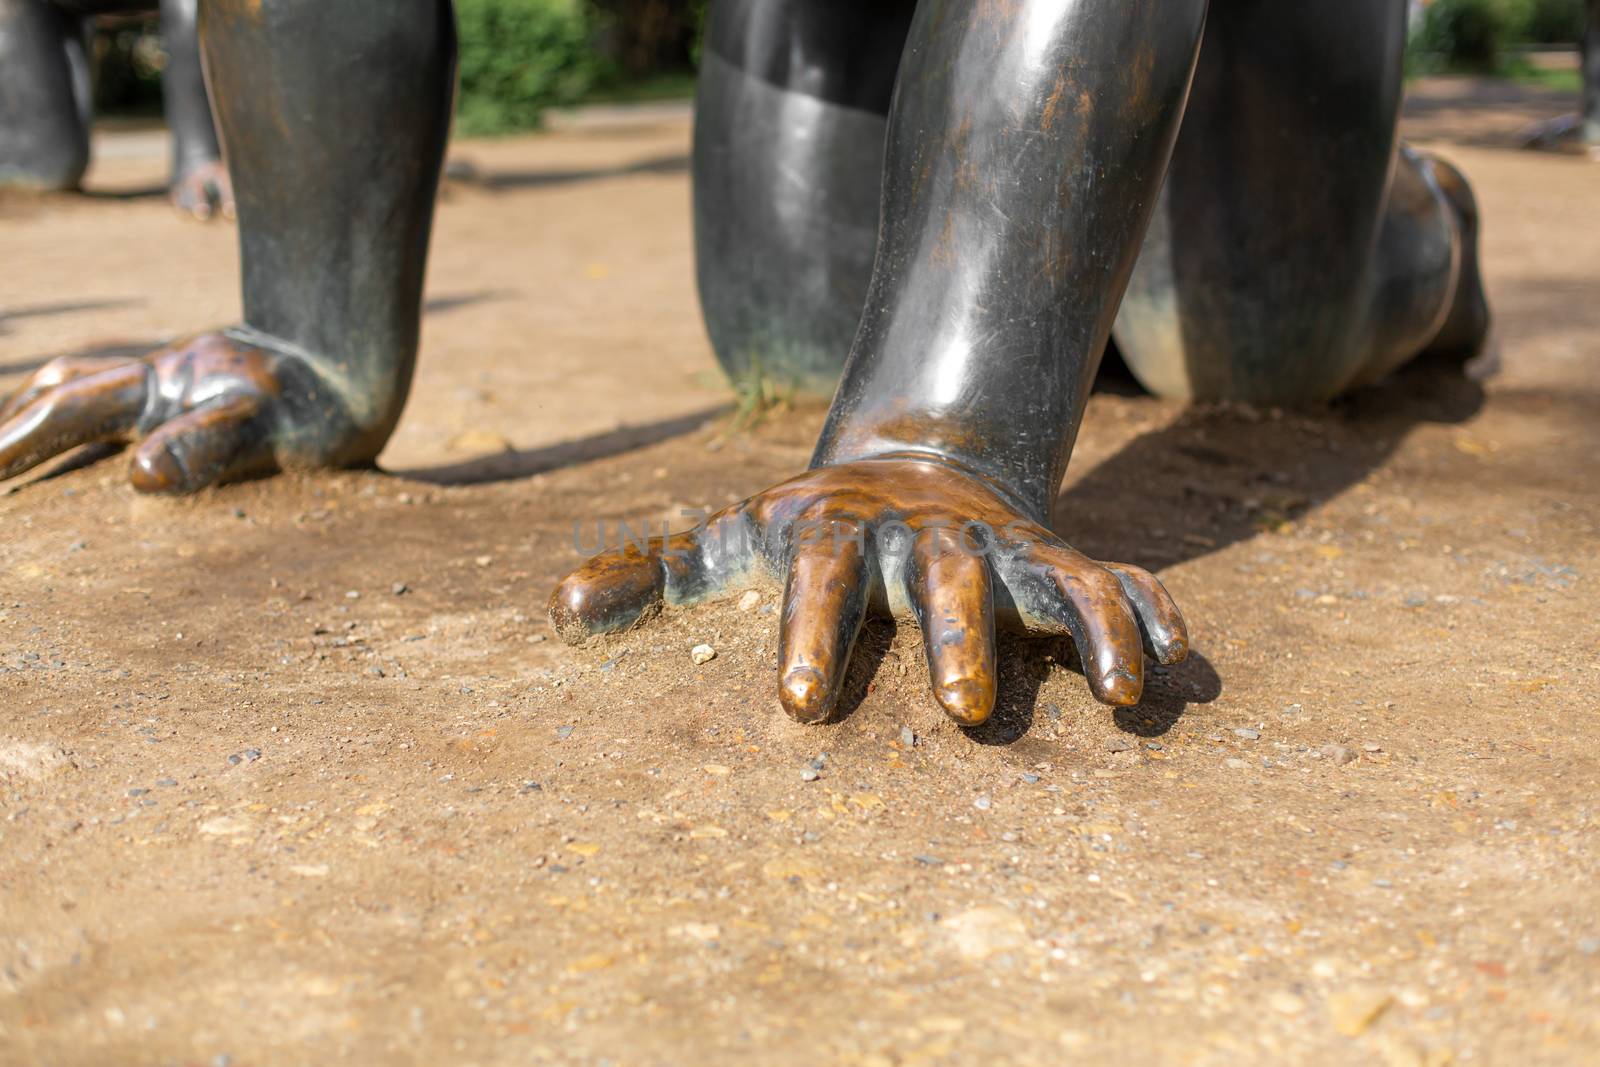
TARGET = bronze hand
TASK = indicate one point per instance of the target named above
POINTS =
(909, 534)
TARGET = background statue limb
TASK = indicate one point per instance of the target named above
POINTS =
(1583, 126)
(335, 116)
(1297, 250)
(46, 106)
(1591, 77)
(1232, 298)
(44, 96)
(790, 117)
(199, 184)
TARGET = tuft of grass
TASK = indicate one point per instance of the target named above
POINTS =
(1567, 80)
(756, 396)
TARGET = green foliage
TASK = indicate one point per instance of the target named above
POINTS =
(128, 60)
(518, 58)
(1479, 35)
(1467, 34)
(1554, 21)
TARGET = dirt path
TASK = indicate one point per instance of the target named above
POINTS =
(294, 772)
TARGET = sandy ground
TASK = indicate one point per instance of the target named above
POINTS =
(295, 773)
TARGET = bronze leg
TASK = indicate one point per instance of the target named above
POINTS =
(44, 96)
(1026, 144)
(790, 118)
(199, 184)
(1296, 249)
(335, 118)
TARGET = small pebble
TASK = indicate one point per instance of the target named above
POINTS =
(253, 754)
(1286, 1003)
(930, 861)
(137, 792)
(1340, 754)
(1236, 763)
(750, 600)
(908, 736)
(983, 803)
(166, 782)
(1589, 946)
(1030, 778)
(1118, 744)
(234, 760)
(809, 773)
(563, 732)
(1372, 746)
(399, 589)
(353, 594)
(1247, 733)
(702, 654)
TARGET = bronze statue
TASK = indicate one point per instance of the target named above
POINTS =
(45, 107)
(1229, 194)
(1294, 250)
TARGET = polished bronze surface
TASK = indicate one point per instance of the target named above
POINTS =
(1022, 149)
(907, 534)
(202, 410)
(1026, 147)
(335, 178)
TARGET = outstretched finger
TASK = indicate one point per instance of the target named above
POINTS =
(616, 589)
(102, 406)
(1102, 624)
(58, 371)
(824, 605)
(199, 447)
(953, 598)
(1166, 637)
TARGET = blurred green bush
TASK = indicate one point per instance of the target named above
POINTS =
(1554, 22)
(1480, 35)
(518, 58)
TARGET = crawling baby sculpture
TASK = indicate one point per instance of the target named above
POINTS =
(1227, 192)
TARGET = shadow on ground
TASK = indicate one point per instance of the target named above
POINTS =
(1217, 476)
(513, 464)
(1459, 110)
(466, 172)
